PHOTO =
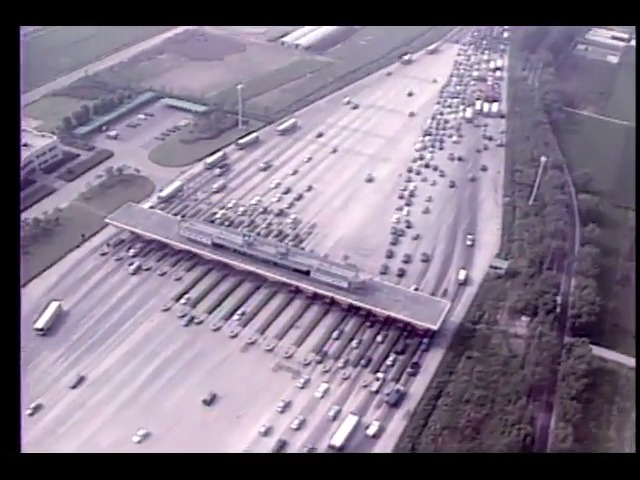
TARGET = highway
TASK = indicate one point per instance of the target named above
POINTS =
(146, 370)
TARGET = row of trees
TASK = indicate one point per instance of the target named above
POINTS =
(33, 229)
(87, 112)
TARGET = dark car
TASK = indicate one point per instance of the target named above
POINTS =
(209, 399)
(298, 197)
(384, 269)
(483, 168)
(365, 362)
(286, 190)
(280, 446)
(320, 134)
(401, 272)
(389, 253)
(406, 258)
(321, 356)
(76, 381)
(395, 240)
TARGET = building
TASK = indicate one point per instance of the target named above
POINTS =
(37, 149)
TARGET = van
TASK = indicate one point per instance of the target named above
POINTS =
(374, 429)
(462, 276)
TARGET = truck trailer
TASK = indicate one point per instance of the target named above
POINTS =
(287, 126)
(345, 431)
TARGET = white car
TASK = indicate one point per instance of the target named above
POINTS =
(185, 299)
(308, 158)
(298, 422)
(470, 240)
(334, 412)
(303, 382)
(275, 184)
(322, 390)
(374, 429)
(264, 430)
(141, 435)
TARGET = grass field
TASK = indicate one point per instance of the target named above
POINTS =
(34, 195)
(173, 153)
(50, 110)
(55, 51)
(605, 148)
(609, 413)
(79, 221)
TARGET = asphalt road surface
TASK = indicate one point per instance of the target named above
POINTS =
(145, 370)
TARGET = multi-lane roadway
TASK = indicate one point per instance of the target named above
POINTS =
(145, 370)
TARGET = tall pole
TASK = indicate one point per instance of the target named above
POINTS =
(239, 88)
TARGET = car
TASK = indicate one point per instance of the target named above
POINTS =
(389, 253)
(34, 408)
(322, 390)
(162, 271)
(415, 236)
(401, 196)
(303, 382)
(417, 172)
(408, 224)
(104, 250)
(311, 448)
(286, 190)
(451, 157)
(365, 361)
(354, 106)
(384, 269)
(264, 430)
(374, 429)
(293, 172)
(334, 150)
(343, 363)
(452, 184)
(320, 356)
(426, 209)
(401, 232)
(185, 300)
(408, 202)
(433, 183)
(402, 347)
(425, 257)
(472, 177)
(308, 188)
(401, 272)
(298, 196)
(409, 93)
(283, 405)
(209, 399)
(412, 114)
(320, 134)
(395, 240)
(369, 178)
(280, 446)
(355, 343)
(334, 412)
(298, 423)
(429, 198)
(413, 369)
(470, 240)
(406, 258)
(141, 435)
(76, 381)
(483, 168)
(460, 158)
(485, 146)
(391, 360)
(414, 288)
(308, 158)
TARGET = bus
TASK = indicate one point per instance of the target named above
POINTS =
(287, 126)
(247, 141)
(170, 191)
(345, 430)
(214, 160)
(47, 318)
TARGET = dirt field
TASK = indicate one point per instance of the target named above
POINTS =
(50, 52)
(198, 62)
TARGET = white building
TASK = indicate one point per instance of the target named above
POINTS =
(37, 149)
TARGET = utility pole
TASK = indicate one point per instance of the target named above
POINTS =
(239, 87)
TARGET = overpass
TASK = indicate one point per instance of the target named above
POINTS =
(282, 264)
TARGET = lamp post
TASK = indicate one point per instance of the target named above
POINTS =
(239, 88)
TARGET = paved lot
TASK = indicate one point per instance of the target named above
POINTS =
(145, 370)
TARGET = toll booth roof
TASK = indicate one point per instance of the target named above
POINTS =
(381, 298)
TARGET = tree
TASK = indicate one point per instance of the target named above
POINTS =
(119, 170)
(591, 234)
(589, 209)
(588, 261)
(78, 118)
(85, 111)
(67, 124)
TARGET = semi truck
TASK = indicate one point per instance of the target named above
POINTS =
(287, 126)
(247, 141)
(339, 439)
(170, 191)
(48, 317)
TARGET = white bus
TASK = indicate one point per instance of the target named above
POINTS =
(287, 126)
(247, 141)
(48, 317)
(214, 160)
(170, 191)
(495, 109)
(344, 432)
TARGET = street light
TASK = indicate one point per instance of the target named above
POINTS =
(239, 88)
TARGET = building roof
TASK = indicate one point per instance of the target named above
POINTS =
(32, 140)
(184, 105)
(380, 298)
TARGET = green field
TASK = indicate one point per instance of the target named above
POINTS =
(56, 51)
(609, 414)
(50, 110)
(79, 221)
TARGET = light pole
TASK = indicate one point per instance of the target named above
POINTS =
(239, 88)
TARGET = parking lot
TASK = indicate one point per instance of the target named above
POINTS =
(154, 343)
